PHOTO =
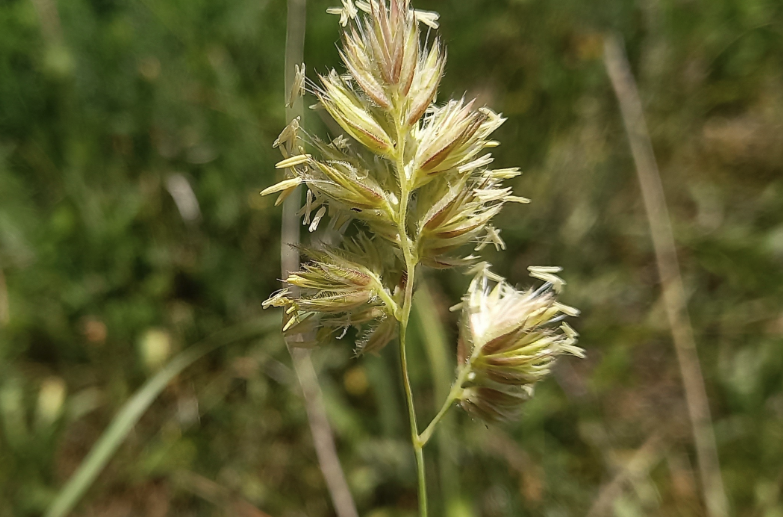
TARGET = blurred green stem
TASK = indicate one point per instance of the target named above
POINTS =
(5, 313)
(132, 411)
(434, 341)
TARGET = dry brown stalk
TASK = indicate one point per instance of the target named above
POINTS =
(674, 298)
(320, 428)
(216, 494)
(5, 314)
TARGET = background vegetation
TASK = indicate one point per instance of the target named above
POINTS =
(135, 136)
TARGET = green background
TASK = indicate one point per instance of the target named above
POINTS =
(109, 109)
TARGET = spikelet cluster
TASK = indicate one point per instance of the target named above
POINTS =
(395, 140)
(412, 181)
(336, 289)
(511, 339)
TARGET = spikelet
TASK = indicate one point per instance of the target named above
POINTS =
(513, 339)
(355, 115)
(337, 288)
(455, 211)
(377, 337)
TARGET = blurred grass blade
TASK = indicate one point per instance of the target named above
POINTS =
(385, 391)
(433, 336)
(132, 411)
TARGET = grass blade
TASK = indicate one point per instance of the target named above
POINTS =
(131, 412)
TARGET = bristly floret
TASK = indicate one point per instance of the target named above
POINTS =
(355, 114)
(456, 210)
(383, 55)
(337, 288)
(344, 182)
(452, 137)
(512, 339)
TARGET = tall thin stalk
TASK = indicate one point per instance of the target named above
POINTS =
(323, 439)
(404, 317)
(674, 298)
(433, 338)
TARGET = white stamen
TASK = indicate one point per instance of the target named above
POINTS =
(317, 219)
(283, 185)
(428, 18)
(297, 87)
(547, 275)
(288, 134)
(569, 331)
(475, 164)
(567, 310)
(506, 174)
(545, 269)
(308, 208)
(293, 161)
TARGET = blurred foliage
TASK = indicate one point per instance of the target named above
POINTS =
(135, 136)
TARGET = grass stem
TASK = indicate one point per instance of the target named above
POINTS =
(405, 313)
(674, 298)
(454, 394)
(435, 341)
(323, 438)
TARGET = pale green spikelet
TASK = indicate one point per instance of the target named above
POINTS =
(456, 210)
(337, 288)
(355, 114)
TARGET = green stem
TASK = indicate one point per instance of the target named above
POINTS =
(404, 317)
(454, 395)
(391, 305)
(417, 445)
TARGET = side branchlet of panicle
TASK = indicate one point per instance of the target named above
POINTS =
(456, 209)
(511, 338)
(340, 182)
(458, 194)
(336, 289)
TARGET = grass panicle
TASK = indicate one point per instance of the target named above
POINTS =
(407, 184)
